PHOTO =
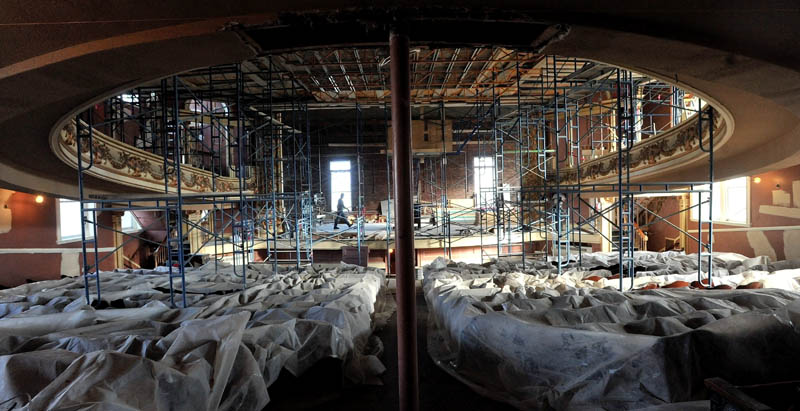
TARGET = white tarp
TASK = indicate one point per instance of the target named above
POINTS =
(222, 352)
(537, 341)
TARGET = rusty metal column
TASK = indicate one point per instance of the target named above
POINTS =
(408, 383)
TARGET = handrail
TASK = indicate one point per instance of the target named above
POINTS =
(161, 254)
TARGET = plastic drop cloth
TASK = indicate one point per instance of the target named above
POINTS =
(222, 352)
(537, 341)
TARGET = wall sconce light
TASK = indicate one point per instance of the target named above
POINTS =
(39, 199)
(757, 180)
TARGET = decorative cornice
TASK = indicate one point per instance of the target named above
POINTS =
(679, 143)
(127, 165)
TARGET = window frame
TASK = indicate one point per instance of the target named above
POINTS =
(348, 194)
(129, 230)
(90, 233)
(483, 198)
(718, 189)
(60, 239)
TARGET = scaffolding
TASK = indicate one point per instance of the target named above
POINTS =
(228, 127)
(586, 111)
(248, 126)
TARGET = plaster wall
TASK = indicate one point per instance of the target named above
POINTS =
(30, 249)
(773, 230)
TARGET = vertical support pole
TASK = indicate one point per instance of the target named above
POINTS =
(445, 216)
(578, 160)
(240, 174)
(295, 176)
(389, 203)
(497, 162)
(711, 194)
(621, 200)
(700, 231)
(479, 194)
(179, 211)
(710, 220)
(216, 169)
(521, 148)
(273, 180)
(404, 222)
(557, 212)
(466, 174)
(119, 241)
(166, 158)
(309, 211)
(625, 137)
(543, 140)
(82, 204)
(360, 188)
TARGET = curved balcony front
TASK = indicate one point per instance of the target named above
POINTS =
(680, 148)
(120, 163)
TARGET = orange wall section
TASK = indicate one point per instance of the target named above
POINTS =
(737, 241)
(34, 227)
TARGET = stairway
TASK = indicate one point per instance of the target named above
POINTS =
(187, 254)
(615, 241)
(177, 246)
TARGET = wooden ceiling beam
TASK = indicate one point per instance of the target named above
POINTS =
(344, 71)
(449, 69)
(360, 68)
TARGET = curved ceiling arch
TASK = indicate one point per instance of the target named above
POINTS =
(691, 46)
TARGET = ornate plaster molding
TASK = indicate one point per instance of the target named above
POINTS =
(673, 148)
(124, 164)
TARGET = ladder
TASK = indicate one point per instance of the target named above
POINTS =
(560, 223)
(627, 237)
(706, 117)
(499, 168)
(625, 138)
